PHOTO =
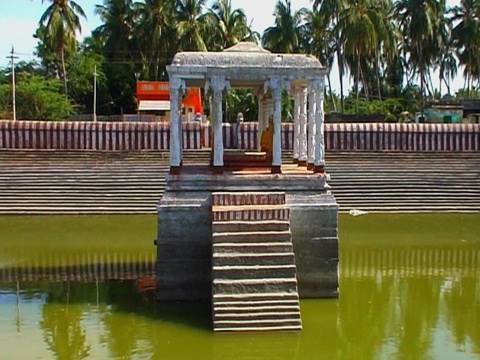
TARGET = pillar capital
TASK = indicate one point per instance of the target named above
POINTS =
(217, 84)
(177, 84)
(317, 84)
(277, 84)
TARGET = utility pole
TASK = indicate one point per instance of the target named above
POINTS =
(95, 94)
(12, 58)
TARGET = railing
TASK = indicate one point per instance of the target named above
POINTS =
(125, 136)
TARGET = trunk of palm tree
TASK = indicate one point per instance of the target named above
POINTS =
(332, 98)
(357, 90)
(422, 88)
(365, 85)
(378, 77)
(340, 75)
(64, 70)
(440, 86)
(430, 86)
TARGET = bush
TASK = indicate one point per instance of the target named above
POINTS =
(38, 98)
(389, 108)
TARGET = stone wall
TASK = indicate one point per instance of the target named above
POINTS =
(185, 231)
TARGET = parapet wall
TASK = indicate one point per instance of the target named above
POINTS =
(130, 136)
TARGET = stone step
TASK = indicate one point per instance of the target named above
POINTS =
(254, 271)
(250, 198)
(238, 305)
(281, 314)
(249, 247)
(252, 237)
(250, 226)
(254, 278)
(258, 325)
(236, 258)
(251, 213)
(254, 285)
(260, 328)
(255, 297)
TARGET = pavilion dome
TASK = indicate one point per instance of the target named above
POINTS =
(245, 55)
(247, 47)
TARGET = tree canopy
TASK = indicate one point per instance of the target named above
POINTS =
(386, 47)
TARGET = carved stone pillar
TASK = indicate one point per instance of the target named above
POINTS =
(261, 122)
(302, 129)
(277, 85)
(320, 128)
(311, 126)
(218, 84)
(296, 124)
(177, 86)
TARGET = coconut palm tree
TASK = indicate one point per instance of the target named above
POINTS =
(448, 68)
(466, 38)
(191, 25)
(229, 25)
(358, 31)
(388, 38)
(120, 50)
(117, 29)
(155, 29)
(318, 39)
(61, 22)
(331, 9)
(284, 36)
(420, 22)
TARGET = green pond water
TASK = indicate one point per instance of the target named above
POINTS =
(81, 288)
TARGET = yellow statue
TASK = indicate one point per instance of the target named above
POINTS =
(266, 141)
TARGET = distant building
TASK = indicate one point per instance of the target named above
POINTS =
(154, 98)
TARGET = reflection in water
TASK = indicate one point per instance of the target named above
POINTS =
(393, 302)
(92, 267)
(62, 328)
(409, 301)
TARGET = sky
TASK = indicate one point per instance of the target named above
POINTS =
(19, 20)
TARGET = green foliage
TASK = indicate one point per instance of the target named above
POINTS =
(59, 25)
(37, 97)
(285, 35)
(468, 94)
(387, 46)
(227, 26)
(81, 69)
(389, 108)
(241, 101)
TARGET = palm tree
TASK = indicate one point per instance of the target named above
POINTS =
(389, 38)
(191, 25)
(155, 29)
(466, 38)
(420, 22)
(318, 39)
(229, 25)
(61, 21)
(284, 36)
(120, 50)
(358, 31)
(331, 9)
(117, 28)
(448, 68)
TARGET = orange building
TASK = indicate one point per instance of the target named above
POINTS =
(155, 96)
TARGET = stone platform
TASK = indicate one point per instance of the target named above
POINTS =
(185, 228)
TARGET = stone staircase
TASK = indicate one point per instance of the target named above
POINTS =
(76, 182)
(254, 283)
